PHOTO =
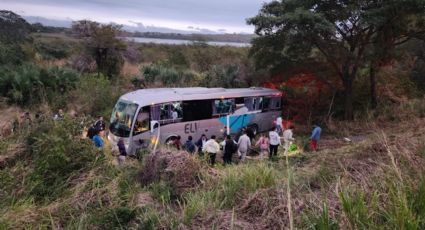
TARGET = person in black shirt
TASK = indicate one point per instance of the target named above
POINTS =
(230, 148)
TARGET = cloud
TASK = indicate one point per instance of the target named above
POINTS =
(177, 14)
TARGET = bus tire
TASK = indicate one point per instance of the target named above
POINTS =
(170, 140)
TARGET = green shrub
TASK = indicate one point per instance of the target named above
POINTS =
(398, 212)
(29, 84)
(196, 204)
(226, 76)
(58, 155)
(95, 95)
(161, 191)
(244, 179)
(416, 198)
(54, 47)
(322, 221)
(355, 209)
(149, 219)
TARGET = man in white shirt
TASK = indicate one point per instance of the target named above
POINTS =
(287, 137)
(274, 143)
(244, 143)
(212, 148)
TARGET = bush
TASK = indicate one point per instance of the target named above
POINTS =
(53, 48)
(226, 76)
(322, 221)
(58, 155)
(31, 85)
(241, 180)
(94, 95)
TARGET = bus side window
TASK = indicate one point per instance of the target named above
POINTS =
(266, 104)
(197, 110)
(249, 103)
(254, 103)
(170, 112)
(223, 106)
(275, 103)
(257, 103)
(156, 112)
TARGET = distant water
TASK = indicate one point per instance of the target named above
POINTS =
(183, 42)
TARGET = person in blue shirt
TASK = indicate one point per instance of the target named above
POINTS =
(315, 137)
(97, 139)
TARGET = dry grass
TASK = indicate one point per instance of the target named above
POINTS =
(359, 182)
(179, 170)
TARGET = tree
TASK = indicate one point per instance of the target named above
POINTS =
(337, 31)
(102, 44)
(401, 23)
(14, 33)
(226, 76)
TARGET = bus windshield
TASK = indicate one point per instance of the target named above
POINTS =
(122, 118)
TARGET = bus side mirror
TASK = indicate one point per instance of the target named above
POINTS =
(154, 125)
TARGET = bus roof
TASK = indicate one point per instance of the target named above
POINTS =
(145, 97)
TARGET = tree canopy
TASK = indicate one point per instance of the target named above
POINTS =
(102, 44)
(339, 32)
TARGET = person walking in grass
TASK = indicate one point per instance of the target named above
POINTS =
(288, 137)
(97, 139)
(230, 147)
(274, 143)
(264, 144)
(315, 137)
(211, 147)
(200, 143)
(189, 146)
(244, 143)
(123, 152)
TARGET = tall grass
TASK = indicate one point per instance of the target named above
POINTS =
(322, 221)
(235, 185)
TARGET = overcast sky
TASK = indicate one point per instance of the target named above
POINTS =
(216, 15)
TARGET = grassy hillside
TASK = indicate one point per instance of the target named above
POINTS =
(51, 178)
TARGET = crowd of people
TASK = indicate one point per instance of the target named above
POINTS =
(268, 143)
(243, 145)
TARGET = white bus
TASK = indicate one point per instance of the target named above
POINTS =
(190, 112)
